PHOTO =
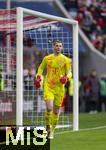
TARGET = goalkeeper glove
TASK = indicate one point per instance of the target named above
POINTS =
(37, 81)
(64, 79)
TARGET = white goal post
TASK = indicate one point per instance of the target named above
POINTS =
(19, 74)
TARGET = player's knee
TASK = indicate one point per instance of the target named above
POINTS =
(49, 106)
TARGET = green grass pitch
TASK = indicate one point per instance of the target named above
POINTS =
(91, 136)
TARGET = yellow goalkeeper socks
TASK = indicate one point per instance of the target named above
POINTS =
(51, 122)
(48, 118)
(55, 119)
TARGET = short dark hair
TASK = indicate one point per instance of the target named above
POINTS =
(56, 41)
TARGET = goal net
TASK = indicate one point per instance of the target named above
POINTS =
(27, 37)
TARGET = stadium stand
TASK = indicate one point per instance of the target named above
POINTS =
(91, 18)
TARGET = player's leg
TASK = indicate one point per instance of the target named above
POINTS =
(48, 97)
(55, 116)
(48, 113)
(58, 98)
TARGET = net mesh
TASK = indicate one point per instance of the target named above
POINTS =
(37, 42)
(8, 85)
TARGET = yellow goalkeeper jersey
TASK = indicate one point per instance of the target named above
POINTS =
(56, 66)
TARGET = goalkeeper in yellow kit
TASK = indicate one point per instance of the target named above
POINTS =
(58, 71)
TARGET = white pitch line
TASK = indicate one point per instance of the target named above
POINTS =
(87, 129)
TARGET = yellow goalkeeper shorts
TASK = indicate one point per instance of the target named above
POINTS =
(56, 94)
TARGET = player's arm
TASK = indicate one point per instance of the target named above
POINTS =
(38, 76)
(41, 67)
(68, 75)
(68, 68)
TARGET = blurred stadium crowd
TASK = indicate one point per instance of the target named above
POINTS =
(91, 15)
